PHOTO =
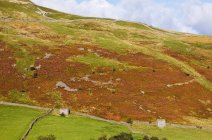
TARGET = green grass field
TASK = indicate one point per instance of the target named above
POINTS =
(74, 128)
(172, 133)
(14, 121)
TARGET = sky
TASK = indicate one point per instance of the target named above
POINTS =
(193, 16)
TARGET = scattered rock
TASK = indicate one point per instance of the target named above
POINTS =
(61, 84)
(73, 79)
(89, 50)
(112, 90)
(207, 102)
(209, 109)
(134, 102)
(38, 67)
(142, 92)
(118, 79)
(13, 65)
(47, 55)
(81, 49)
(85, 78)
(141, 107)
(149, 111)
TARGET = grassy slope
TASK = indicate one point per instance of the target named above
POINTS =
(14, 121)
(96, 61)
(172, 133)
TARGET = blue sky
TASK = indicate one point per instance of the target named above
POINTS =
(193, 16)
(161, 1)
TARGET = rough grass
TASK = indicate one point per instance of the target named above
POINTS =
(75, 128)
(17, 11)
(207, 46)
(172, 133)
(61, 29)
(96, 61)
(179, 47)
(16, 96)
(14, 121)
(113, 44)
(119, 33)
(132, 25)
(24, 61)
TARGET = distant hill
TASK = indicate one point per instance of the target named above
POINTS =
(109, 68)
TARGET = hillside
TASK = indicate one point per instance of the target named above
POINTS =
(108, 68)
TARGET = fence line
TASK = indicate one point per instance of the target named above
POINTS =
(33, 123)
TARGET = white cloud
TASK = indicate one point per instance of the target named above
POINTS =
(187, 16)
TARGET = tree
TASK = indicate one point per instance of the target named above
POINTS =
(130, 121)
(122, 136)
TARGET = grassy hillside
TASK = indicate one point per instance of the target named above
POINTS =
(113, 69)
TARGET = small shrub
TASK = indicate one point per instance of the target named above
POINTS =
(48, 137)
(154, 138)
(32, 68)
(103, 138)
(56, 97)
(145, 138)
(187, 74)
(114, 69)
(122, 136)
(130, 121)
